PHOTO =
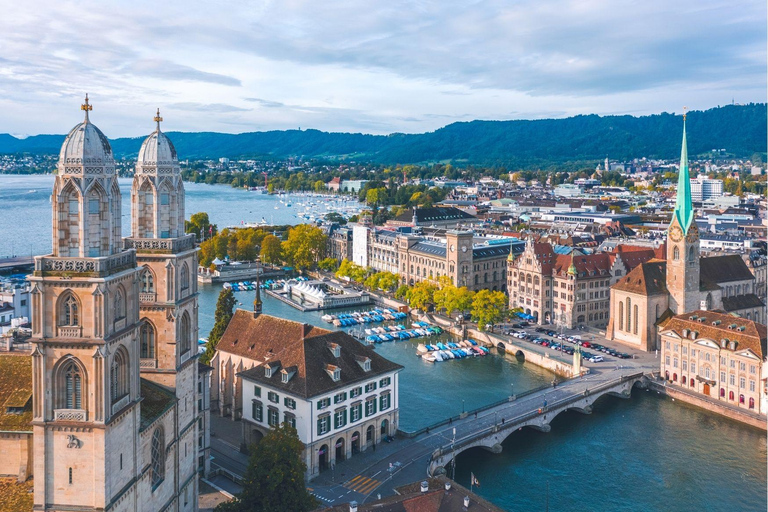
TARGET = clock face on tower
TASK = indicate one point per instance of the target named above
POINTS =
(693, 234)
(676, 234)
(463, 248)
(453, 248)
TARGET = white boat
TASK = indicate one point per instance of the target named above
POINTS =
(421, 348)
(437, 356)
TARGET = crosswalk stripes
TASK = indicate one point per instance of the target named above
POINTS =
(323, 498)
(362, 484)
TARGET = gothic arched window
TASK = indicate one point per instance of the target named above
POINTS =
(691, 258)
(118, 375)
(147, 339)
(184, 334)
(69, 310)
(635, 331)
(147, 281)
(119, 303)
(157, 465)
(629, 315)
(184, 278)
(73, 386)
(676, 253)
(621, 315)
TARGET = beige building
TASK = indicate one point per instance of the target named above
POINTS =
(657, 290)
(717, 355)
(568, 290)
(106, 435)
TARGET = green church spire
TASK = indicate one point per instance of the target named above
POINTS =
(684, 204)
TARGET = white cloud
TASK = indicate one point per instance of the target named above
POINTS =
(370, 66)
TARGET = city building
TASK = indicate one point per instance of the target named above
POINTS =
(340, 243)
(101, 433)
(716, 355)
(340, 395)
(565, 287)
(685, 281)
(703, 188)
(334, 185)
(14, 305)
(447, 217)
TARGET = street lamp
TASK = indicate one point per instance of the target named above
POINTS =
(462, 406)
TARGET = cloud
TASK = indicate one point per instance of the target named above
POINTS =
(167, 70)
(207, 107)
(371, 66)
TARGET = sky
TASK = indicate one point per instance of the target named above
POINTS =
(371, 66)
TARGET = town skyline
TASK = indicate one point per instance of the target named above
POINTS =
(341, 68)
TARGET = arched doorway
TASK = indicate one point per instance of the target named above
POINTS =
(722, 392)
(355, 439)
(384, 427)
(706, 388)
(339, 449)
(256, 436)
(322, 457)
(674, 377)
(751, 403)
(684, 379)
(369, 435)
(730, 395)
(666, 375)
(547, 318)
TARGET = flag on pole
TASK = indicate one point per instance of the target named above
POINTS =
(475, 481)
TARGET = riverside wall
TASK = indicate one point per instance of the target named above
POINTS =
(711, 405)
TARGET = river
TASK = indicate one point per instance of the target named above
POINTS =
(646, 453)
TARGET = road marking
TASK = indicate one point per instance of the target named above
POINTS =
(362, 484)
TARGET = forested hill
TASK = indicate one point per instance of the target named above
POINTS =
(739, 129)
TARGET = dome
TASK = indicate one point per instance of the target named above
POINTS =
(85, 145)
(157, 150)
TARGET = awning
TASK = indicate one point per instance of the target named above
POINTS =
(355, 436)
(339, 443)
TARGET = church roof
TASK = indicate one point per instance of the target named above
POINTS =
(155, 401)
(15, 392)
(85, 145)
(684, 203)
(649, 278)
(157, 149)
(739, 302)
(309, 357)
(724, 269)
(718, 326)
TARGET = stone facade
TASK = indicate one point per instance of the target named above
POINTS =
(107, 435)
(717, 355)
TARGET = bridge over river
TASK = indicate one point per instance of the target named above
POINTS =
(429, 451)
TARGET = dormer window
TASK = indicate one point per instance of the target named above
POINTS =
(268, 371)
(287, 373)
(334, 372)
(364, 362)
(285, 377)
(271, 368)
(335, 349)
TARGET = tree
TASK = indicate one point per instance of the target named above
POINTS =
(328, 264)
(488, 308)
(403, 292)
(319, 186)
(200, 225)
(274, 480)
(225, 307)
(388, 281)
(335, 217)
(305, 246)
(422, 294)
(271, 250)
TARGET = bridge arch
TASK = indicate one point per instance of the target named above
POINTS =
(520, 355)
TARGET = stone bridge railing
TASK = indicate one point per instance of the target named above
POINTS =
(490, 438)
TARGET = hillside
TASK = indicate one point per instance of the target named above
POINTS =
(739, 129)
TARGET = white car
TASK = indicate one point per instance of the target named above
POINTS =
(596, 359)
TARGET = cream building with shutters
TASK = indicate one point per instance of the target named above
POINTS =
(114, 372)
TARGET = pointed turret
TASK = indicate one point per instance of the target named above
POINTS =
(257, 304)
(572, 268)
(684, 204)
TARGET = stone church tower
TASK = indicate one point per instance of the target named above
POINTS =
(85, 320)
(683, 254)
(114, 368)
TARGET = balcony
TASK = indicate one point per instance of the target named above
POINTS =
(161, 245)
(69, 331)
(88, 267)
(147, 298)
(70, 415)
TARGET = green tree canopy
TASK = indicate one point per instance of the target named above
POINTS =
(305, 246)
(488, 308)
(271, 250)
(422, 295)
(274, 480)
(225, 307)
(328, 264)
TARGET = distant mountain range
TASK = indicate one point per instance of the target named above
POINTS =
(738, 129)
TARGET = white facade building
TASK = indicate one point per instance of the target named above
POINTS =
(704, 188)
